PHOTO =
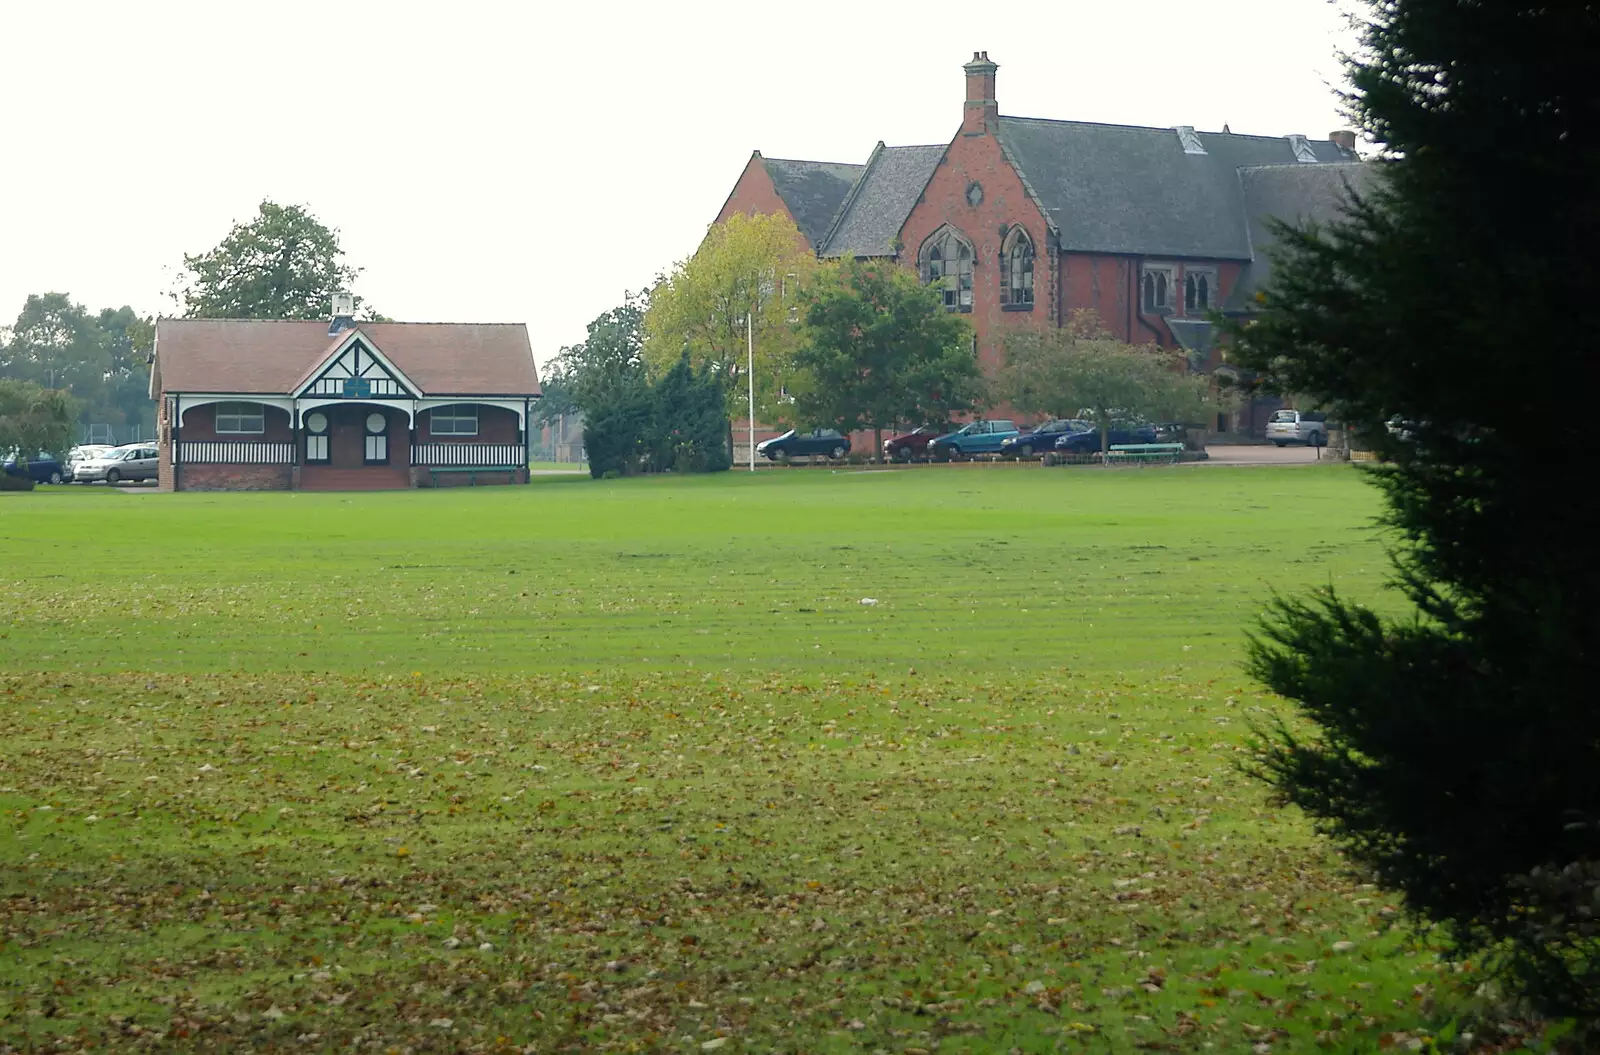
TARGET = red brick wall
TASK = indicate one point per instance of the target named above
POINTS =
(200, 423)
(234, 477)
(977, 158)
(163, 444)
(755, 195)
(495, 425)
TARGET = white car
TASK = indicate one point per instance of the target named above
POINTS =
(1298, 426)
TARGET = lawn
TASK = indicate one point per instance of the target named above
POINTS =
(829, 761)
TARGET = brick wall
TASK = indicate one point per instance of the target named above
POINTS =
(234, 477)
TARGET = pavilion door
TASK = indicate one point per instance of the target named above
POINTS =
(347, 436)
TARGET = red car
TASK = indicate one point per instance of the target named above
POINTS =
(912, 446)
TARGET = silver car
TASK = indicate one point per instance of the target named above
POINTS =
(136, 461)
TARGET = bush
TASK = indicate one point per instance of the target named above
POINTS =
(15, 483)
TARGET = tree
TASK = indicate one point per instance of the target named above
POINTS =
(130, 338)
(585, 375)
(689, 421)
(1083, 368)
(283, 264)
(34, 418)
(881, 350)
(103, 360)
(1452, 751)
(747, 265)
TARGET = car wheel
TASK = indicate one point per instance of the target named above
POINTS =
(55, 477)
(837, 453)
(905, 454)
(113, 478)
(1317, 439)
(1052, 458)
(1281, 443)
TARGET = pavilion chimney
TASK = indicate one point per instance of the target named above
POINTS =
(1344, 139)
(981, 109)
(344, 314)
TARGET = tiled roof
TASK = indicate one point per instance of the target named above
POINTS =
(1294, 194)
(871, 217)
(812, 190)
(1133, 189)
(269, 358)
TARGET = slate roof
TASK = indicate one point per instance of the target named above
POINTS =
(262, 357)
(1133, 189)
(1293, 194)
(870, 219)
(812, 190)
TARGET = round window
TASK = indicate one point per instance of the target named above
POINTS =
(376, 423)
(316, 422)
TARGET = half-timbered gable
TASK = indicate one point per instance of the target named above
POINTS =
(356, 369)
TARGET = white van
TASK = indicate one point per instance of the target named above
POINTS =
(1298, 426)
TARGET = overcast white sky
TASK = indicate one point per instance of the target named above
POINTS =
(504, 162)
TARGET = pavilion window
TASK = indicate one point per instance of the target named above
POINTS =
(241, 419)
(460, 419)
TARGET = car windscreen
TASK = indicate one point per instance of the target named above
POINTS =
(1280, 416)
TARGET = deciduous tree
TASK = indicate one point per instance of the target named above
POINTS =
(749, 265)
(282, 264)
(1453, 751)
(34, 418)
(880, 350)
(1082, 368)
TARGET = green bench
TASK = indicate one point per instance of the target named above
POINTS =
(1144, 452)
(474, 470)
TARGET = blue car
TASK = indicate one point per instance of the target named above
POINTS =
(977, 437)
(42, 468)
(1042, 439)
(1089, 442)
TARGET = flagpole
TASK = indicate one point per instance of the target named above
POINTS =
(750, 378)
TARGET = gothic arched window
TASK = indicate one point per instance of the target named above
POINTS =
(1197, 286)
(1016, 284)
(947, 263)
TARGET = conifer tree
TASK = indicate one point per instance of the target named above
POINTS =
(1450, 317)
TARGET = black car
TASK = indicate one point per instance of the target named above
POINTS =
(794, 444)
(1089, 442)
(1042, 439)
(42, 468)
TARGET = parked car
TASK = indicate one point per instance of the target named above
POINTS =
(136, 461)
(1298, 426)
(1042, 439)
(912, 446)
(41, 468)
(794, 444)
(1089, 442)
(83, 452)
(976, 437)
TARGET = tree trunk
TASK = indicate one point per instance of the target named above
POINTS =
(877, 443)
(1105, 443)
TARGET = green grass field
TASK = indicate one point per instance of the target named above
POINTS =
(630, 766)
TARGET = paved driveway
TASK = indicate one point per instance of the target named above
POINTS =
(1260, 454)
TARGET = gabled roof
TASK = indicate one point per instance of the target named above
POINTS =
(870, 219)
(812, 190)
(1137, 190)
(1293, 194)
(264, 357)
(341, 344)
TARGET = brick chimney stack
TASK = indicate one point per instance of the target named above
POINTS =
(981, 109)
(1344, 139)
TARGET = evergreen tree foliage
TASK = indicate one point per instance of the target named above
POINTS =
(34, 418)
(1450, 317)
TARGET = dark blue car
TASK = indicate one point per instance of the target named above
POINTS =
(41, 468)
(1089, 442)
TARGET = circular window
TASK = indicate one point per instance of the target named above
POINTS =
(974, 194)
(316, 422)
(376, 423)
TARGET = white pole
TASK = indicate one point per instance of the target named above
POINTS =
(750, 378)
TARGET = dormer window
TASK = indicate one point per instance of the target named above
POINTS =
(1302, 149)
(1199, 288)
(947, 264)
(1157, 283)
(1016, 285)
